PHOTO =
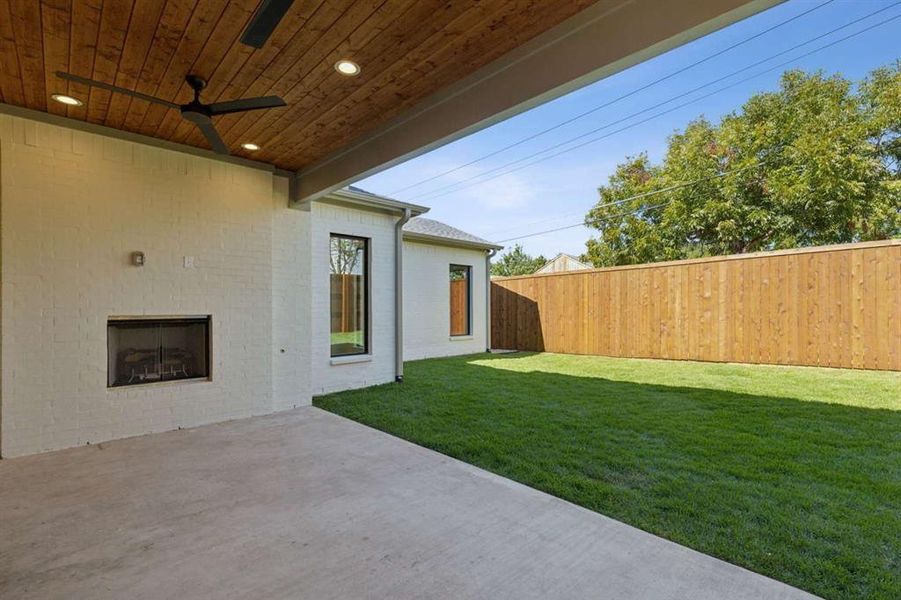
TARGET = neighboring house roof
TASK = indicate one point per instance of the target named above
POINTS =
(430, 230)
(563, 262)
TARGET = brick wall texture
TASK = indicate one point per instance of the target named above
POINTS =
(427, 301)
(74, 206)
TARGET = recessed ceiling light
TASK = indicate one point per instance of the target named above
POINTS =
(68, 100)
(249, 146)
(347, 67)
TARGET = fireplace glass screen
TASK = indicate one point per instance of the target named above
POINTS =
(152, 350)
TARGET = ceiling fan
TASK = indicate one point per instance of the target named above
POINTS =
(195, 111)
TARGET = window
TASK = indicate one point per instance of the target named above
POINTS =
(460, 317)
(150, 350)
(349, 285)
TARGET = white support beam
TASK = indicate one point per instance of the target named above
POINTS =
(605, 38)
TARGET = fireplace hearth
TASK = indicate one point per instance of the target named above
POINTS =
(151, 350)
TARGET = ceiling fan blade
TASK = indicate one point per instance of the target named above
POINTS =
(264, 22)
(208, 130)
(114, 88)
(233, 106)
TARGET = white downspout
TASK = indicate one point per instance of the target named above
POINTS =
(488, 256)
(399, 296)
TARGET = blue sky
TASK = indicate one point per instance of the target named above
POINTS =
(559, 191)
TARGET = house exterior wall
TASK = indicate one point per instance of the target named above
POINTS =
(291, 296)
(427, 301)
(73, 206)
(329, 374)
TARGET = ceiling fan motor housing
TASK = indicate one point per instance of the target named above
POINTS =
(196, 83)
(196, 112)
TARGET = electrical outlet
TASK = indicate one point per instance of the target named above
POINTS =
(189, 262)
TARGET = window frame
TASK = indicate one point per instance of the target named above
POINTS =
(468, 270)
(367, 309)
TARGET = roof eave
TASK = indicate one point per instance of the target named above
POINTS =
(373, 200)
(435, 239)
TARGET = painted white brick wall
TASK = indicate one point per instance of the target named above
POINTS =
(74, 205)
(291, 290)
(379, 228)
(427, 301)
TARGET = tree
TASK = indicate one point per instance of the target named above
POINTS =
(816, 162)
(516, 262)
(344, 255)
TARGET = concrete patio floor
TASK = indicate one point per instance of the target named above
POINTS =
(306, 504)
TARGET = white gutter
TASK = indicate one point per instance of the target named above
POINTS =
(488, 256)
(399, 295)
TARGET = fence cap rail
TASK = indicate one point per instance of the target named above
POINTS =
(713, 259)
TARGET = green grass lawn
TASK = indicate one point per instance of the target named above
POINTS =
(791, 472)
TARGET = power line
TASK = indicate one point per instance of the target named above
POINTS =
(642, 195)
(610, 218)
(488, 235)
(636, 197)
(460, 185)
(614, 101)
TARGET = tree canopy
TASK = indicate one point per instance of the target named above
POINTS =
(516, 262)
(816, 162)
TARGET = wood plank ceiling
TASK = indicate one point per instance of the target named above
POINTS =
(408, 49)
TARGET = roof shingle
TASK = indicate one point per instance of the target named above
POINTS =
(437, 229)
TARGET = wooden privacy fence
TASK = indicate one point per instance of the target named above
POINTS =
(835, 306)
(459, 307)
(344, 302)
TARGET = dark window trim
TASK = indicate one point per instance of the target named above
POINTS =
(366, 295)
(468, 298)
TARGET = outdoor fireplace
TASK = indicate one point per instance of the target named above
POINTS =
(150, 350)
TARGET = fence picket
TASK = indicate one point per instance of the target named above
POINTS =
(834, 306)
